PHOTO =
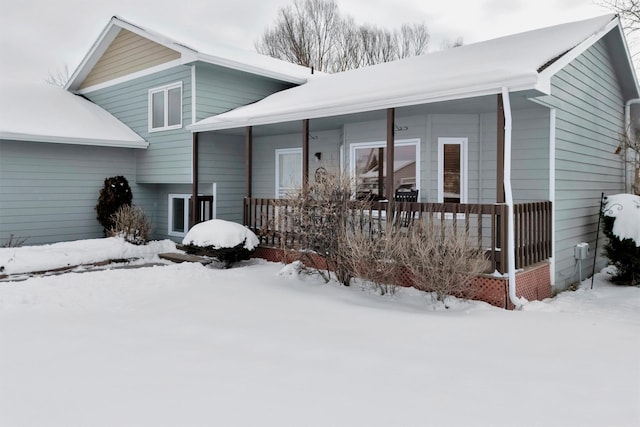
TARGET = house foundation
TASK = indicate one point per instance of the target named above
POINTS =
(532, 283)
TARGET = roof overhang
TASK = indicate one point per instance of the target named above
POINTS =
(621, 57)
(15, 136)
(528, 83)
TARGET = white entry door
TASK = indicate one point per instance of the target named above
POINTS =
(288, 171)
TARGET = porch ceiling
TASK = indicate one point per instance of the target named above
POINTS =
(477, 105)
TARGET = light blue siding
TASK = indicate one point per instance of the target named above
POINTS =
(168, 157)
(325, 142)
(222, 161)
(48, 192)
(220, 89)
(590, 118)
(530, 155)
(161, 203)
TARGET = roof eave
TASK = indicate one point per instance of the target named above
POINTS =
(577, 50)
(105, 38)
(18, 136)
(527, 83)
(248, 68)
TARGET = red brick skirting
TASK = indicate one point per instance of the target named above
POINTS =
(532, 283)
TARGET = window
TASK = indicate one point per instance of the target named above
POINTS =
(369, 169)
(179, 208)
(165, 107)
(452, 170)
(288, 170)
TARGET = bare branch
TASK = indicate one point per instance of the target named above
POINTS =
(59, 77)
(314, 33)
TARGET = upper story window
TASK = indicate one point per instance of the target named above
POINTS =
(165, 107)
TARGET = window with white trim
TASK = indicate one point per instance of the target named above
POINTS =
(288, 170)
(165, 107)
(369, 169)
(179, 208)
(452, 170)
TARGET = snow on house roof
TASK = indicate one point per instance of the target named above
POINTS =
(515, 62)
(47, 113)
(195, 47)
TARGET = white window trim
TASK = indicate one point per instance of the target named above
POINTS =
(464, 167)
(280, 151)
(165, 89)
(186, 198)
(377, 144)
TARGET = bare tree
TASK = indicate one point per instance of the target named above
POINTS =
(304, 33)
(629, 13)
(313, 33)
(448, 44)
(59, 77)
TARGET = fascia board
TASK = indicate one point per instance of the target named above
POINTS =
(129, 77)
(93, 55)
(252, 69)
(629, 58)
(578, 50)
(14, 136)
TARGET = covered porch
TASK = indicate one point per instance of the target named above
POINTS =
(457, 169)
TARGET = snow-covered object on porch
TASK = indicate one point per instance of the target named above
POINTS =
(220, 234)
(625, 208)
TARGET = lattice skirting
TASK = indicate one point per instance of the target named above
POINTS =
(533, 283)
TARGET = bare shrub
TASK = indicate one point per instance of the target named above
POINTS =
(442, 258)
(131, 223)
(377, 256)
(316, 219)
(13, 242)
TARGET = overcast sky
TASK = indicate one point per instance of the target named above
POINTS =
(42, 36)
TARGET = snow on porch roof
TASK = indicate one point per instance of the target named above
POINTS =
(46, 113)
(477, 69)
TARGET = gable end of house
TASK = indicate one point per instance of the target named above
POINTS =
(128, 53)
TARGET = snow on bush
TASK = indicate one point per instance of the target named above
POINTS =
(625, 208)
(227, 241)
(622, 228)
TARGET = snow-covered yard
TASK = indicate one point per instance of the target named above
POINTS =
(259, 345)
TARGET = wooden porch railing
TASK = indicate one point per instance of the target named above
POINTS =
(485, 223)
(204, 204)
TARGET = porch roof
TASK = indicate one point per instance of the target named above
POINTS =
(521, 62)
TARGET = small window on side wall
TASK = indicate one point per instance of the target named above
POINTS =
(178, 214)
(165, 107)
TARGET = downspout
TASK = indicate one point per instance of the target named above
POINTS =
(508, 194)
(627, 128)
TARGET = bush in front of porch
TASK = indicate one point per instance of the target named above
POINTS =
(357, 238)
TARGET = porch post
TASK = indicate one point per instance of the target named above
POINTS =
(194, 189)
(248, 160)
(500, 153)
(305, 153)
(391, 114)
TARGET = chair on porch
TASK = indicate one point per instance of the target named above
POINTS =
(404, 197)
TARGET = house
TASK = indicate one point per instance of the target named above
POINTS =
(518, 134)
(531, 120)
(147, 88)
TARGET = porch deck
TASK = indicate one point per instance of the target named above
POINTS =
(485, 223)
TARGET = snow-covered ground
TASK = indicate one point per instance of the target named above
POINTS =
(261, 345)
